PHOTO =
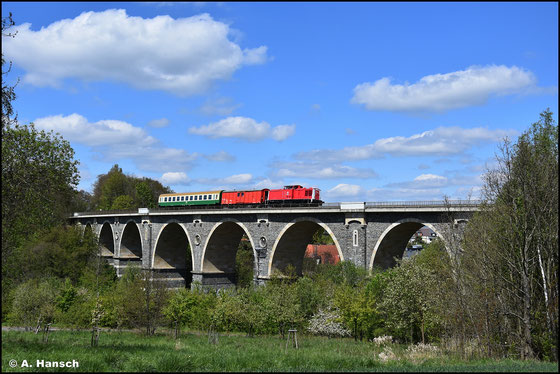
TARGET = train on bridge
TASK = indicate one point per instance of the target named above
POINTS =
(289, 195)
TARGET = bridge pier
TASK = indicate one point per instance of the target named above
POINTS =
(215, 280)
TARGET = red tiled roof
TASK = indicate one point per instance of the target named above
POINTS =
(326, 252)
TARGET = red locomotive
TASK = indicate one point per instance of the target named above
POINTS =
(294, 194)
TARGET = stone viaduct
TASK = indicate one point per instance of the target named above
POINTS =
(193, 244)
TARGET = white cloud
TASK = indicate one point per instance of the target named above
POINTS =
(268, 183)
(254, 56)
(238, 179)
(430, 178)
(175, 178)
(320, 171)
(283, 132)
(438, 142)
(101, 133)
(443, 92)
(422, 181)
(116, 140)
(345, 190)
(244, 128)
(158, 123)
(153, 158)
(183, 56)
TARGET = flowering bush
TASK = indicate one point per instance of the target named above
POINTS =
(387, 355)
(382, 340)
(421, 351)
(325, 322)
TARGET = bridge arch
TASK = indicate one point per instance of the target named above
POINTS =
(393, 240)
(131, 242)
(292, 241)
(88, 228)
(107, 240)
(171, 246)
(220, 249)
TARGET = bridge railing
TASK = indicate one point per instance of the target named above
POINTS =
(432, 203)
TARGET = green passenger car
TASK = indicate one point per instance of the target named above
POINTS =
(191, 198)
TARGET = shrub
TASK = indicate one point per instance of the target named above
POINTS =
(34, 302)
(382, 340)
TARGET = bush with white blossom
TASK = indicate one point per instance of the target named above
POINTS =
(421, 351)
(382, 340)
(326, 322)
(387, 355)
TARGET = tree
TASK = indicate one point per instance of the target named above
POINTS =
(189, 308)
(518, 228)
(61, 252)
(39, 176)
(141, 192)
(145, 195)
(244, 263)
(122, 202)
(138, 300)
(81, 201)
(114, 186)
(34, 302)
(321, 236)
(8, 92)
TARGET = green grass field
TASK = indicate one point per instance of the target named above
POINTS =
(128, 351)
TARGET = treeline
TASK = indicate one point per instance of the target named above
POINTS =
(116, 190)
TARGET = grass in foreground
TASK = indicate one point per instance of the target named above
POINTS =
(133, 352)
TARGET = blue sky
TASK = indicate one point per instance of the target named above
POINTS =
(366, 101)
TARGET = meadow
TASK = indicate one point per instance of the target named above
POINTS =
(195, 352)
